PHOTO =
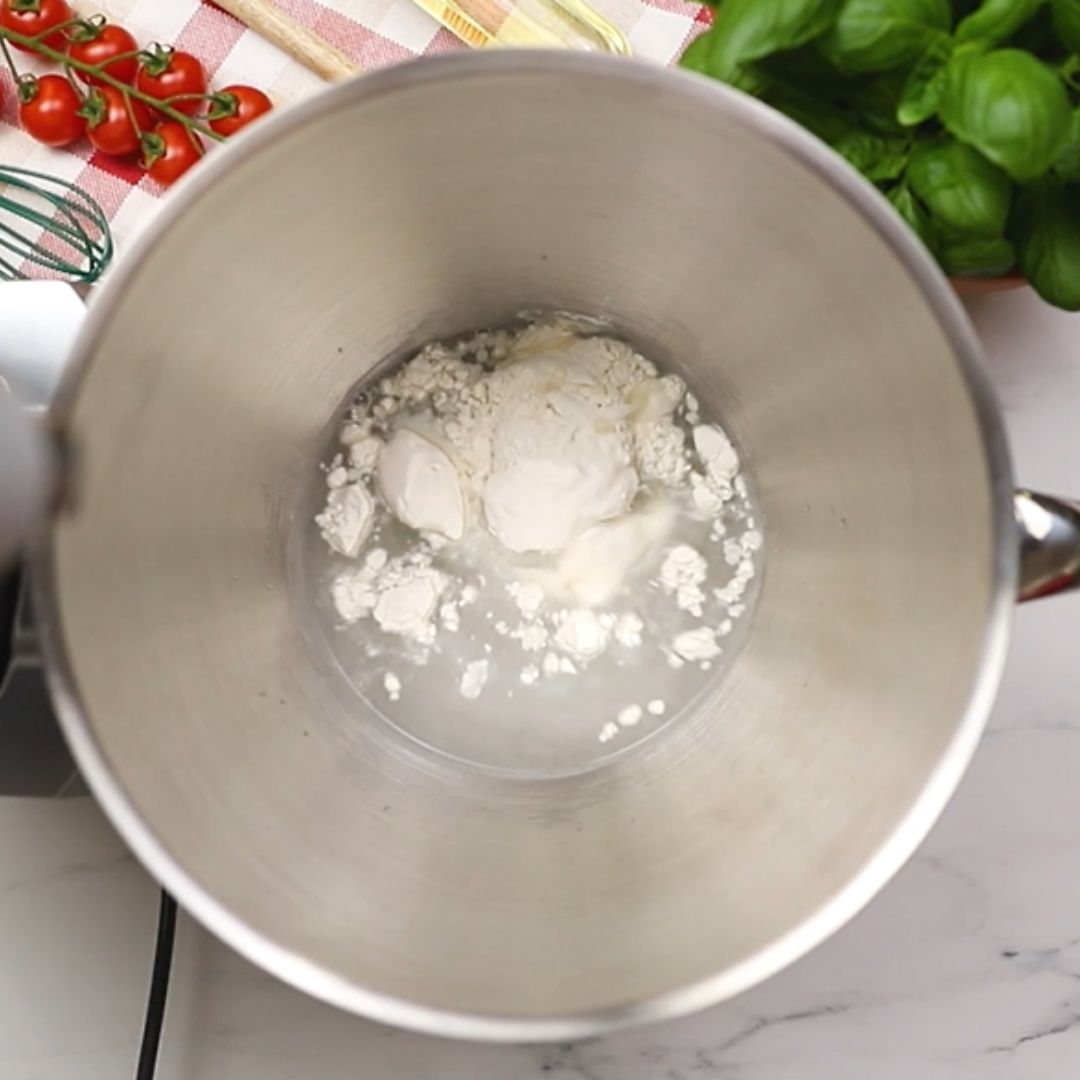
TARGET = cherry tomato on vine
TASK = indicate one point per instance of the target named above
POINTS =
(102, 48)
(49, 110)
(34, 17)
(109, 127)
(235, 107)
(164, 73)
(169, 151)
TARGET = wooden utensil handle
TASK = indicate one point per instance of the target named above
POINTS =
(302, 44)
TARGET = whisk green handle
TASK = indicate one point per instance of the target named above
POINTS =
(50, 228)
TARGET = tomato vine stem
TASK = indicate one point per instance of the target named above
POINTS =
(9, 60)
(99, 72)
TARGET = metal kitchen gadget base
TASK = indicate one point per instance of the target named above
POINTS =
(34, 758)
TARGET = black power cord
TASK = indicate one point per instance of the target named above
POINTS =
(159, 989)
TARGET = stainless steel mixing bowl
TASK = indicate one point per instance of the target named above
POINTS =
(425, 201)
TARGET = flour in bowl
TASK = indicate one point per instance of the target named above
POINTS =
(552, 500)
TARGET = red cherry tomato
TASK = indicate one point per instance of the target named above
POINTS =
(246, 104)
(111, 41)
(34, 17)
(49, 110)
(109, 126)
(165, 74)
(169, 151)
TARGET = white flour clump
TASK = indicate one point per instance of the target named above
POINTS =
(683, 575)
(561, 452)
(472, 682)
(527, 595)
(699, 644)
(401, 593)
(581, 634)
(717, 454)
(349, 515)
(546, 469)
(629, 630)
(421, 485)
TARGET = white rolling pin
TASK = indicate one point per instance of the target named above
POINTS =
(302, 44)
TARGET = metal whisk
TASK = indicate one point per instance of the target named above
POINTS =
(51, 225)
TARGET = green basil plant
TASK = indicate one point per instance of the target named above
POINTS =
(965, 114)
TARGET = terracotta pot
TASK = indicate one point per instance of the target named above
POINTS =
(975, 286)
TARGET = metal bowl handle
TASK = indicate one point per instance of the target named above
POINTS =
(1049, 544)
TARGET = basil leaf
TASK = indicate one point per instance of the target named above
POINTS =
(749, 80)
(876, 158)
(877, 35)
(747, 30)
(808, 70)
(1011, 107)
(975, 256)
(925, 85)
(995, 20)
(912, 211)
(891, 163)
(820, 118)
(1067, 167)
(1048, 227)
(877, 101)
(1066, 16)
(695, 56)
(961, 189)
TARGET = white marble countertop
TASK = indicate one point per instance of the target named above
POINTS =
(967, 967)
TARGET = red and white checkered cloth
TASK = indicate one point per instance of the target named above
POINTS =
(375, 33)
